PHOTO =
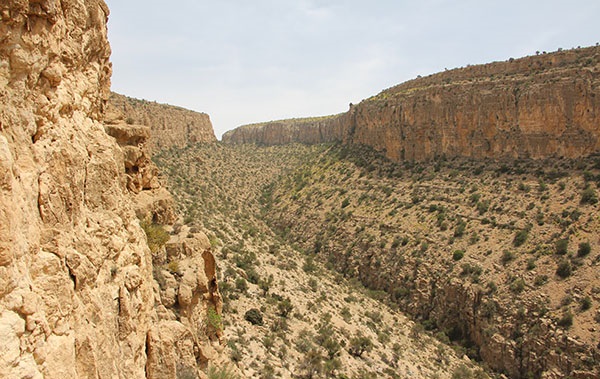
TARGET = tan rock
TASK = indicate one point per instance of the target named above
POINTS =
(521, 108)
(171, 126)
(77, 292)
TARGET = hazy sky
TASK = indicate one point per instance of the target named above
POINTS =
(245, 61)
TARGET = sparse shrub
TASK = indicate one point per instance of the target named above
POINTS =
(241, 285)
(564, 269)
(309, 265)
(359, 345)
(584, 249)
(586, 303)
(530, 264)
(285, 307)
(566, 321)
(173, 266)
(520, 237)
(507, 256)
(462, 372)
(459, 231)
(254, 316)
(458, 255)
(517, 285)
(214, 320)
(157, 236)
(221, 373)
(483, 206)
(540, 280)
(345, 202)
(589, 196)
(562, 246)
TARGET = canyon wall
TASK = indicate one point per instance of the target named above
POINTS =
(81, 293)
(170, 126)
(546, 105)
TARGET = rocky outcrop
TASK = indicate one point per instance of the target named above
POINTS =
(540, 106)
(170, 126)
(78, 295)
(302, 130)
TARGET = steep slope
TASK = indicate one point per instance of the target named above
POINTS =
(78, 297)
(501, 259)
(285, 316)
(170, 126)
(541, 106)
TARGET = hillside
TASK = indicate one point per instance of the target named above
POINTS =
(540, 106)
(498, 259)
(285, 315)
(501, 258)
(170, 125)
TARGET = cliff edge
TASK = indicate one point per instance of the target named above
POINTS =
(82, 295)
(540, 106)
(170, 126)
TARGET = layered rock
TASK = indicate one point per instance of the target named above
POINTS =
(541, 106)
(171, 126)
(78, 297)
(302, 130)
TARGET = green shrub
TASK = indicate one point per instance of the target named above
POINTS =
(540, 280)
(285, 307)
(586, 303)
(589, 196)
(221, 373)
(507, 256)
(459, 231)
(156, 235)
(517, 285)
(562, 246)
(359, 345)
(241, 285)
(214, 320)
(564, 268)
(458, 255)
(566, 321)
(584, 249)
(254, 316)
(520, 237)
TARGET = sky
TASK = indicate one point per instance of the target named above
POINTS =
(245, 61)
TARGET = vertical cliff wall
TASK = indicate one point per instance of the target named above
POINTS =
(78, 297)
(534, 107)
(170, 126)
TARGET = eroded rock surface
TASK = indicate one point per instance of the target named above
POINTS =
(535, 107)
(77, 292)
(171, 126)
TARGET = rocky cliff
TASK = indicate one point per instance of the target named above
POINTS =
(171, 126)
(534, 107)
(81, 293)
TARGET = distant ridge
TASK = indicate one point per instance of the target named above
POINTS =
(170, 125)
(546, 105)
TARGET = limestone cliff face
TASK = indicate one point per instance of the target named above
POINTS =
(78, 297)
(170, 125)
(535, 107)
(303, 130)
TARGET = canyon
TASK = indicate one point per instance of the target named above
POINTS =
(134, 245)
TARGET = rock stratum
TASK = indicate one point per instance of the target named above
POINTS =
(82, 295)
(540, 106)
(170, 126)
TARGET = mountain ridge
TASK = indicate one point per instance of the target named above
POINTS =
(534, 107)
